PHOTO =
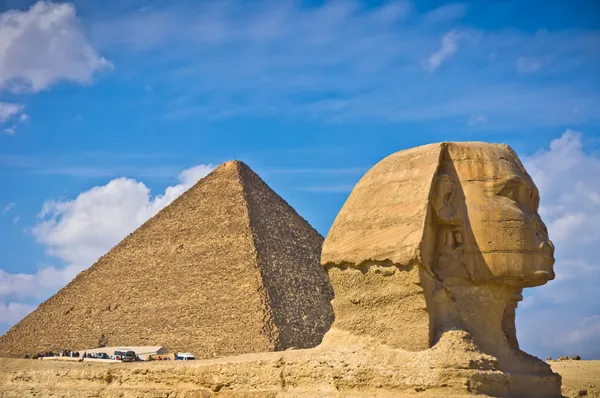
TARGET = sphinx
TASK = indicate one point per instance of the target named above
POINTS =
(438, 238)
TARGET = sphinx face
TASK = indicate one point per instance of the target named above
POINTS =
(502, 205)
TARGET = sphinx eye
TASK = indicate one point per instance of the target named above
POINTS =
(511, 190)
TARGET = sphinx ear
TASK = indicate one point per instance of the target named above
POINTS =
(444, 200)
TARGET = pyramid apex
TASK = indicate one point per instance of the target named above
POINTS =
(237, 164)
(232, 163)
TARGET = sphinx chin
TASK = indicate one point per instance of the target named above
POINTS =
(543, 272)
(542, 277)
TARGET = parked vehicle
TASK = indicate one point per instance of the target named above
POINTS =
(184, 356)
(102, 355)
(130, 356)
(118, 355)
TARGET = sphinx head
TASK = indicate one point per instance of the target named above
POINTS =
(437, 238)
(484, 209)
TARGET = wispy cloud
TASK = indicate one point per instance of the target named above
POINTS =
(449, 47)
(13, 312)
(7, 110)
(13, 160)
(327, 188)
(446, 13)
(8, 208)
(87, 172)
(479, 119)
(10, 111)
(320, 171)
(93, 165)
(587, 329)
(529, 64)
(346, 62)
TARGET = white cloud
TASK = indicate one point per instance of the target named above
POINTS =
(8, 110)
(20, 285)
(567, 308)
(16, 219)
(44, 45)
(80, 230)
(23, 118)
(449, 47)
(13, 312)
(473, 120)
(528, 64)
(566, 177)
(7, 208)
(446, 13)
(566, 225)
(588, 328)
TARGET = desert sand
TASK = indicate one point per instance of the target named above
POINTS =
(28, 378)
(578, 376)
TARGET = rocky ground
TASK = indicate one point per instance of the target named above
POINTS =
(27, 378)
(452, 368)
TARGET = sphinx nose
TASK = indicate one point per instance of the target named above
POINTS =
(541, 232)
(547, 246)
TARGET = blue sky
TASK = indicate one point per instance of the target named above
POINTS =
(109, 110)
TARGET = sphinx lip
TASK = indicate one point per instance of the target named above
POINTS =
(517, 297)
(543, 276)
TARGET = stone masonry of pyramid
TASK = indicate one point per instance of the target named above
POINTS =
(227, 268)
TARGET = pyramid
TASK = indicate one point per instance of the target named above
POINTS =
(227, 268)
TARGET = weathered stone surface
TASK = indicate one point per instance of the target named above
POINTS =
(229, 267)
(439, 238)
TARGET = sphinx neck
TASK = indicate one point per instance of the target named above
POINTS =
(487, 312)
(481, 309)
